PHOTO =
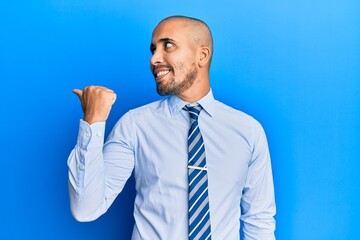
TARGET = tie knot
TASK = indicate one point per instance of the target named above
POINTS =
(194, 111)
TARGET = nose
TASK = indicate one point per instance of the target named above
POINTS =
(156, 58)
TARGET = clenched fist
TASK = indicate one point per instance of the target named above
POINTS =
(96, 102)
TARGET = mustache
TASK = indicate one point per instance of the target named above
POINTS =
(162, 66)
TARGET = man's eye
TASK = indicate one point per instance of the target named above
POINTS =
(168, 45)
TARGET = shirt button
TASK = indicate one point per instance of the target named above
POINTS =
(87, 134)
(82, 167)
(98, 134)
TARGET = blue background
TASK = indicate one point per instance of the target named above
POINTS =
(293, 65)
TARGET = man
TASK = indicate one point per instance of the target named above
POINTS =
(190, 184)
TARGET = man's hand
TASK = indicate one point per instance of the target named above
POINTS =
(96, 102)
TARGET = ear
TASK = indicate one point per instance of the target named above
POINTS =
(204, 56)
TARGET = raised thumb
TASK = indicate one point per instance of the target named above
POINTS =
(78, 92)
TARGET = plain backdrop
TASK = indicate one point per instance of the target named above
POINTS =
(293, 65)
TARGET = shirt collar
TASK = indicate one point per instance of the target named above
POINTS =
(207, 103)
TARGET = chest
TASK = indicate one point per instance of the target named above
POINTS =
(162, 155)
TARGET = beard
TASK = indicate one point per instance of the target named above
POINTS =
(173, 87)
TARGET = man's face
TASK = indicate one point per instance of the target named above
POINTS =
(173, 59)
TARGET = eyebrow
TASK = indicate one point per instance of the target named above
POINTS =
(166, 40)
(162, 40)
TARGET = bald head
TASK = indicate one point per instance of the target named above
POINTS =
(198, 31)
(181, 50)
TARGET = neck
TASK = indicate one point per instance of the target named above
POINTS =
(195, 92)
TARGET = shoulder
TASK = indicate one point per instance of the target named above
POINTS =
(228, 111)
(237, 118)
(159, 107)
(140, 114)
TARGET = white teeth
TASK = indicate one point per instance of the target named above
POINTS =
(161, 73)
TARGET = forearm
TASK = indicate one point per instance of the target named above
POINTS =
(98, 171)
(258, 209)
(86, 174)
(258, 205)
(259, 225)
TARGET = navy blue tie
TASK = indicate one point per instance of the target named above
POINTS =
(199, 213)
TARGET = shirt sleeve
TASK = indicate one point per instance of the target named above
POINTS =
(258, 201)
(98, 171)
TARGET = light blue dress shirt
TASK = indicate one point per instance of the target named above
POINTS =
(152, 142)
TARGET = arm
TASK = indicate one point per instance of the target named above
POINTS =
(98, 171)
(258, 201)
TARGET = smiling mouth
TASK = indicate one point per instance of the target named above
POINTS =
(160, 73)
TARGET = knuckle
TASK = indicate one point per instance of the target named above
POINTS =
(89, 89)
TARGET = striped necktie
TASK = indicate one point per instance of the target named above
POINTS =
(199, 214)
